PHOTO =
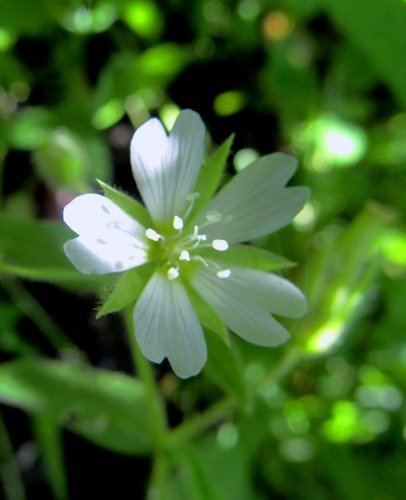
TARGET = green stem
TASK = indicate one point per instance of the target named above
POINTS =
(159, 477)
(284, 367)
(196, 425)
(38, 315)
(12, 482)
(159, 426)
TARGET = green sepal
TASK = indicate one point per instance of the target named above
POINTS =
(210, 175)
(207, 316)
(130, 205)
(127, 290)
(248, 256)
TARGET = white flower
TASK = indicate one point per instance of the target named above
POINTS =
(184, 246)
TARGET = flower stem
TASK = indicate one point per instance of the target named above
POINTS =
(159, 426)
(196, 425)
(26, 303)
(9, 471)
(284, 367)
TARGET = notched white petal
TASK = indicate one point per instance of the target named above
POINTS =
(165, 168)
(255, 202)
(109, 239)
(90, 214)
(167, 326)
(102, 256)
(246, 299)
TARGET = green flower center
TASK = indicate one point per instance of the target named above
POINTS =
(176, 253)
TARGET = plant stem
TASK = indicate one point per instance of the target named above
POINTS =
(196, 425)
(9, 471)
(284, 367)
(159, 427)
(38, 315)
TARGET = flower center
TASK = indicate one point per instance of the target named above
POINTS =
(176, 253)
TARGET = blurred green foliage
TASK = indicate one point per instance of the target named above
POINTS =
(319, 418)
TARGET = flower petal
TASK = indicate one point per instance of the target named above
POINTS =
(255, 202)
(245, 299)
(109, 241)
(93, 213)
(167, 326)
(270, 292)
(112, 253)
(166, 168)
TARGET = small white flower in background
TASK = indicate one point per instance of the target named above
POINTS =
(189, 248)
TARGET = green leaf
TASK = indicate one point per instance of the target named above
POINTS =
(224, 368)
(32, 18)
(248, 256)
(30, 127)
(207, 316)
(127, 290)
(225, 464)
(66, 160)
(130, 205)
(377, 27)
(107, 408)
(128, 74)
(34, 250)
(188, 479)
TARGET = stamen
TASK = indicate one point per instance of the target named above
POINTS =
(177, 222)
(220, 245)
(192, 197)
(225, 273)
(153, 235)
(172, 273)
(200, 259)
(214, 216)
(184, 255)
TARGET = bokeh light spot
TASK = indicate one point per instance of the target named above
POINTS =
(227, 436)
(229, 103)
(276, 26)
(244, 157)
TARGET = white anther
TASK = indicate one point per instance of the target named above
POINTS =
(220, 245)
(225, 273)
(214, 216)
(201, 237)
(177, 222)
(184, 255)
(152, 235)
(172, 273)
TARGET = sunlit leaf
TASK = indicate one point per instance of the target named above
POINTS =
(377, 28)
